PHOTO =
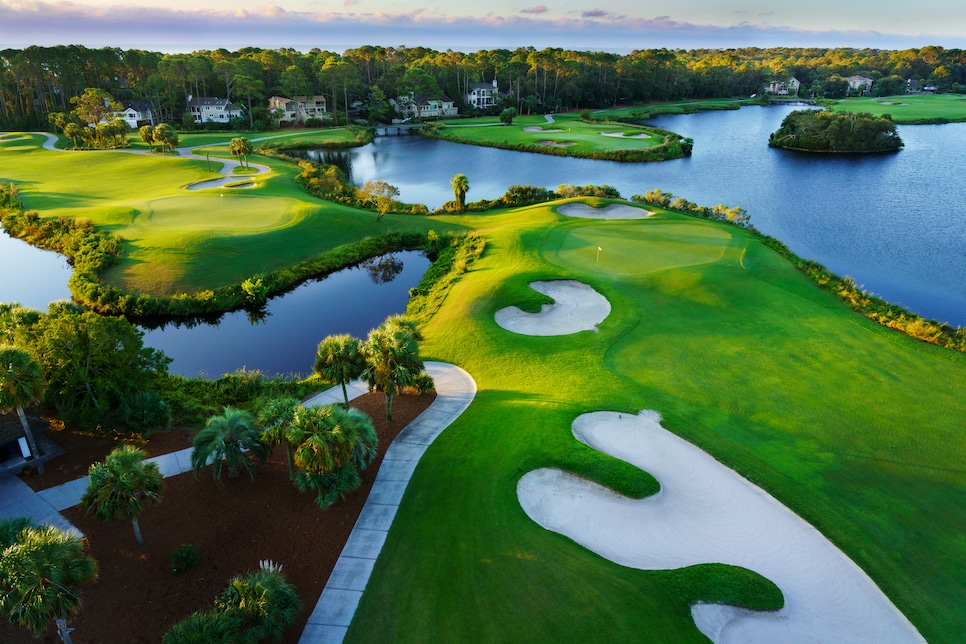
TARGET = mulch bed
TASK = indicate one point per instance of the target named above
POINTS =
(234, 524)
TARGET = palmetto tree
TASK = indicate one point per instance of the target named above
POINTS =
(392, 361)
(120, 484)
(240, 147)
(333, 445)
(340, 359)
(40, 571)
(275, 417)
(214, 627)
(460, 187)
(232, 438)
(20, 384)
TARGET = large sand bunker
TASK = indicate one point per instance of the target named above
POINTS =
(576, 307)
(537, 128)
(621, 135)
(707, 513)
(613, 211)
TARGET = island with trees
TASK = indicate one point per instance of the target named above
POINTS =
(843, 132)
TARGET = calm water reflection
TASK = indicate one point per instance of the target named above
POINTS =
(348, 301)
(31, 276)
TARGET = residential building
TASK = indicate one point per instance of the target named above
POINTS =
(136, 114)
(859, 84)
(482, 95)
(414, 106)
(299, 109)
(783, 88)
(206, 109)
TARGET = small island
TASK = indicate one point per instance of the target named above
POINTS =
(822, 131)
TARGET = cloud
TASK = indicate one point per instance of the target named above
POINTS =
(43, 23)
(535, 10)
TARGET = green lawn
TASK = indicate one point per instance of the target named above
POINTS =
(909, 108)
(567, 130)
(855, 427)
(176, 240)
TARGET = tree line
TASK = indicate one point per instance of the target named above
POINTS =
(38, 81)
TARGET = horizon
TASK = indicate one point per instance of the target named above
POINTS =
(175, 26)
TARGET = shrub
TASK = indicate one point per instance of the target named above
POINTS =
(183, 558)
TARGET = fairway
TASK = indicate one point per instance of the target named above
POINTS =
(181, 241)
(909, 108)
(845, 422)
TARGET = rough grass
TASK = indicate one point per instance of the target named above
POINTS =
(847, 423)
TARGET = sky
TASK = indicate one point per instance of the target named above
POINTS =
(619, 26)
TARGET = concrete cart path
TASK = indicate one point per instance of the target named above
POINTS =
(330, 620)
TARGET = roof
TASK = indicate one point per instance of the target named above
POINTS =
(205, 101)
(482, 86)
(138, 106)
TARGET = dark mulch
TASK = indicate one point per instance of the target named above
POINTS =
(234, 524)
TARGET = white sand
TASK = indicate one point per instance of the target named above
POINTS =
(537, 128)
(707, 513)
(621, 135)
(576, 307)
(613, 211)
(557, 144)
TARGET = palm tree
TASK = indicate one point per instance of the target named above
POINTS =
(232, 437)
(119, 484)
(264, 601)
(275, 417)
(40, 571)
(460, 186)
(20, 384)
(392, 361)
(240, 147)
(145, 413)
(333, 445)
(339, 359)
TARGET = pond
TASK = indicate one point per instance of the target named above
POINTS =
(353, 300)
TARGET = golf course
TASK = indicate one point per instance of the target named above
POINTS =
(908, 108)
(854, 427)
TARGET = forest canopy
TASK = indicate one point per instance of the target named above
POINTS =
(821, 131)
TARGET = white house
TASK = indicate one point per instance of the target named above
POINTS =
(299, 109)
(783, 88)
(482, 95)
(136, 114)
(208, 108)
(413, 106)
(858, 84)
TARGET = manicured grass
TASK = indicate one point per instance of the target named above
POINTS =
(567, 129)
(177, 240)
(909, 108)
(853, 426)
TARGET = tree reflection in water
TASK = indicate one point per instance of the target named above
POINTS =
(384, 269)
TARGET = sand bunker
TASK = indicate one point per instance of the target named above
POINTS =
(621, 135)
(556, 144)
(576, 307)
(707, 513)
(613, 211)
(537, 128)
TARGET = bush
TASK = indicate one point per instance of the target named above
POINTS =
(183, 558)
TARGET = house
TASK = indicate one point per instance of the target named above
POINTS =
(414, 106)
(136, 114)
(299, 109)
(783, 88)
(482, 95)
(206, 109)
(858, 84)
(14, 450)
